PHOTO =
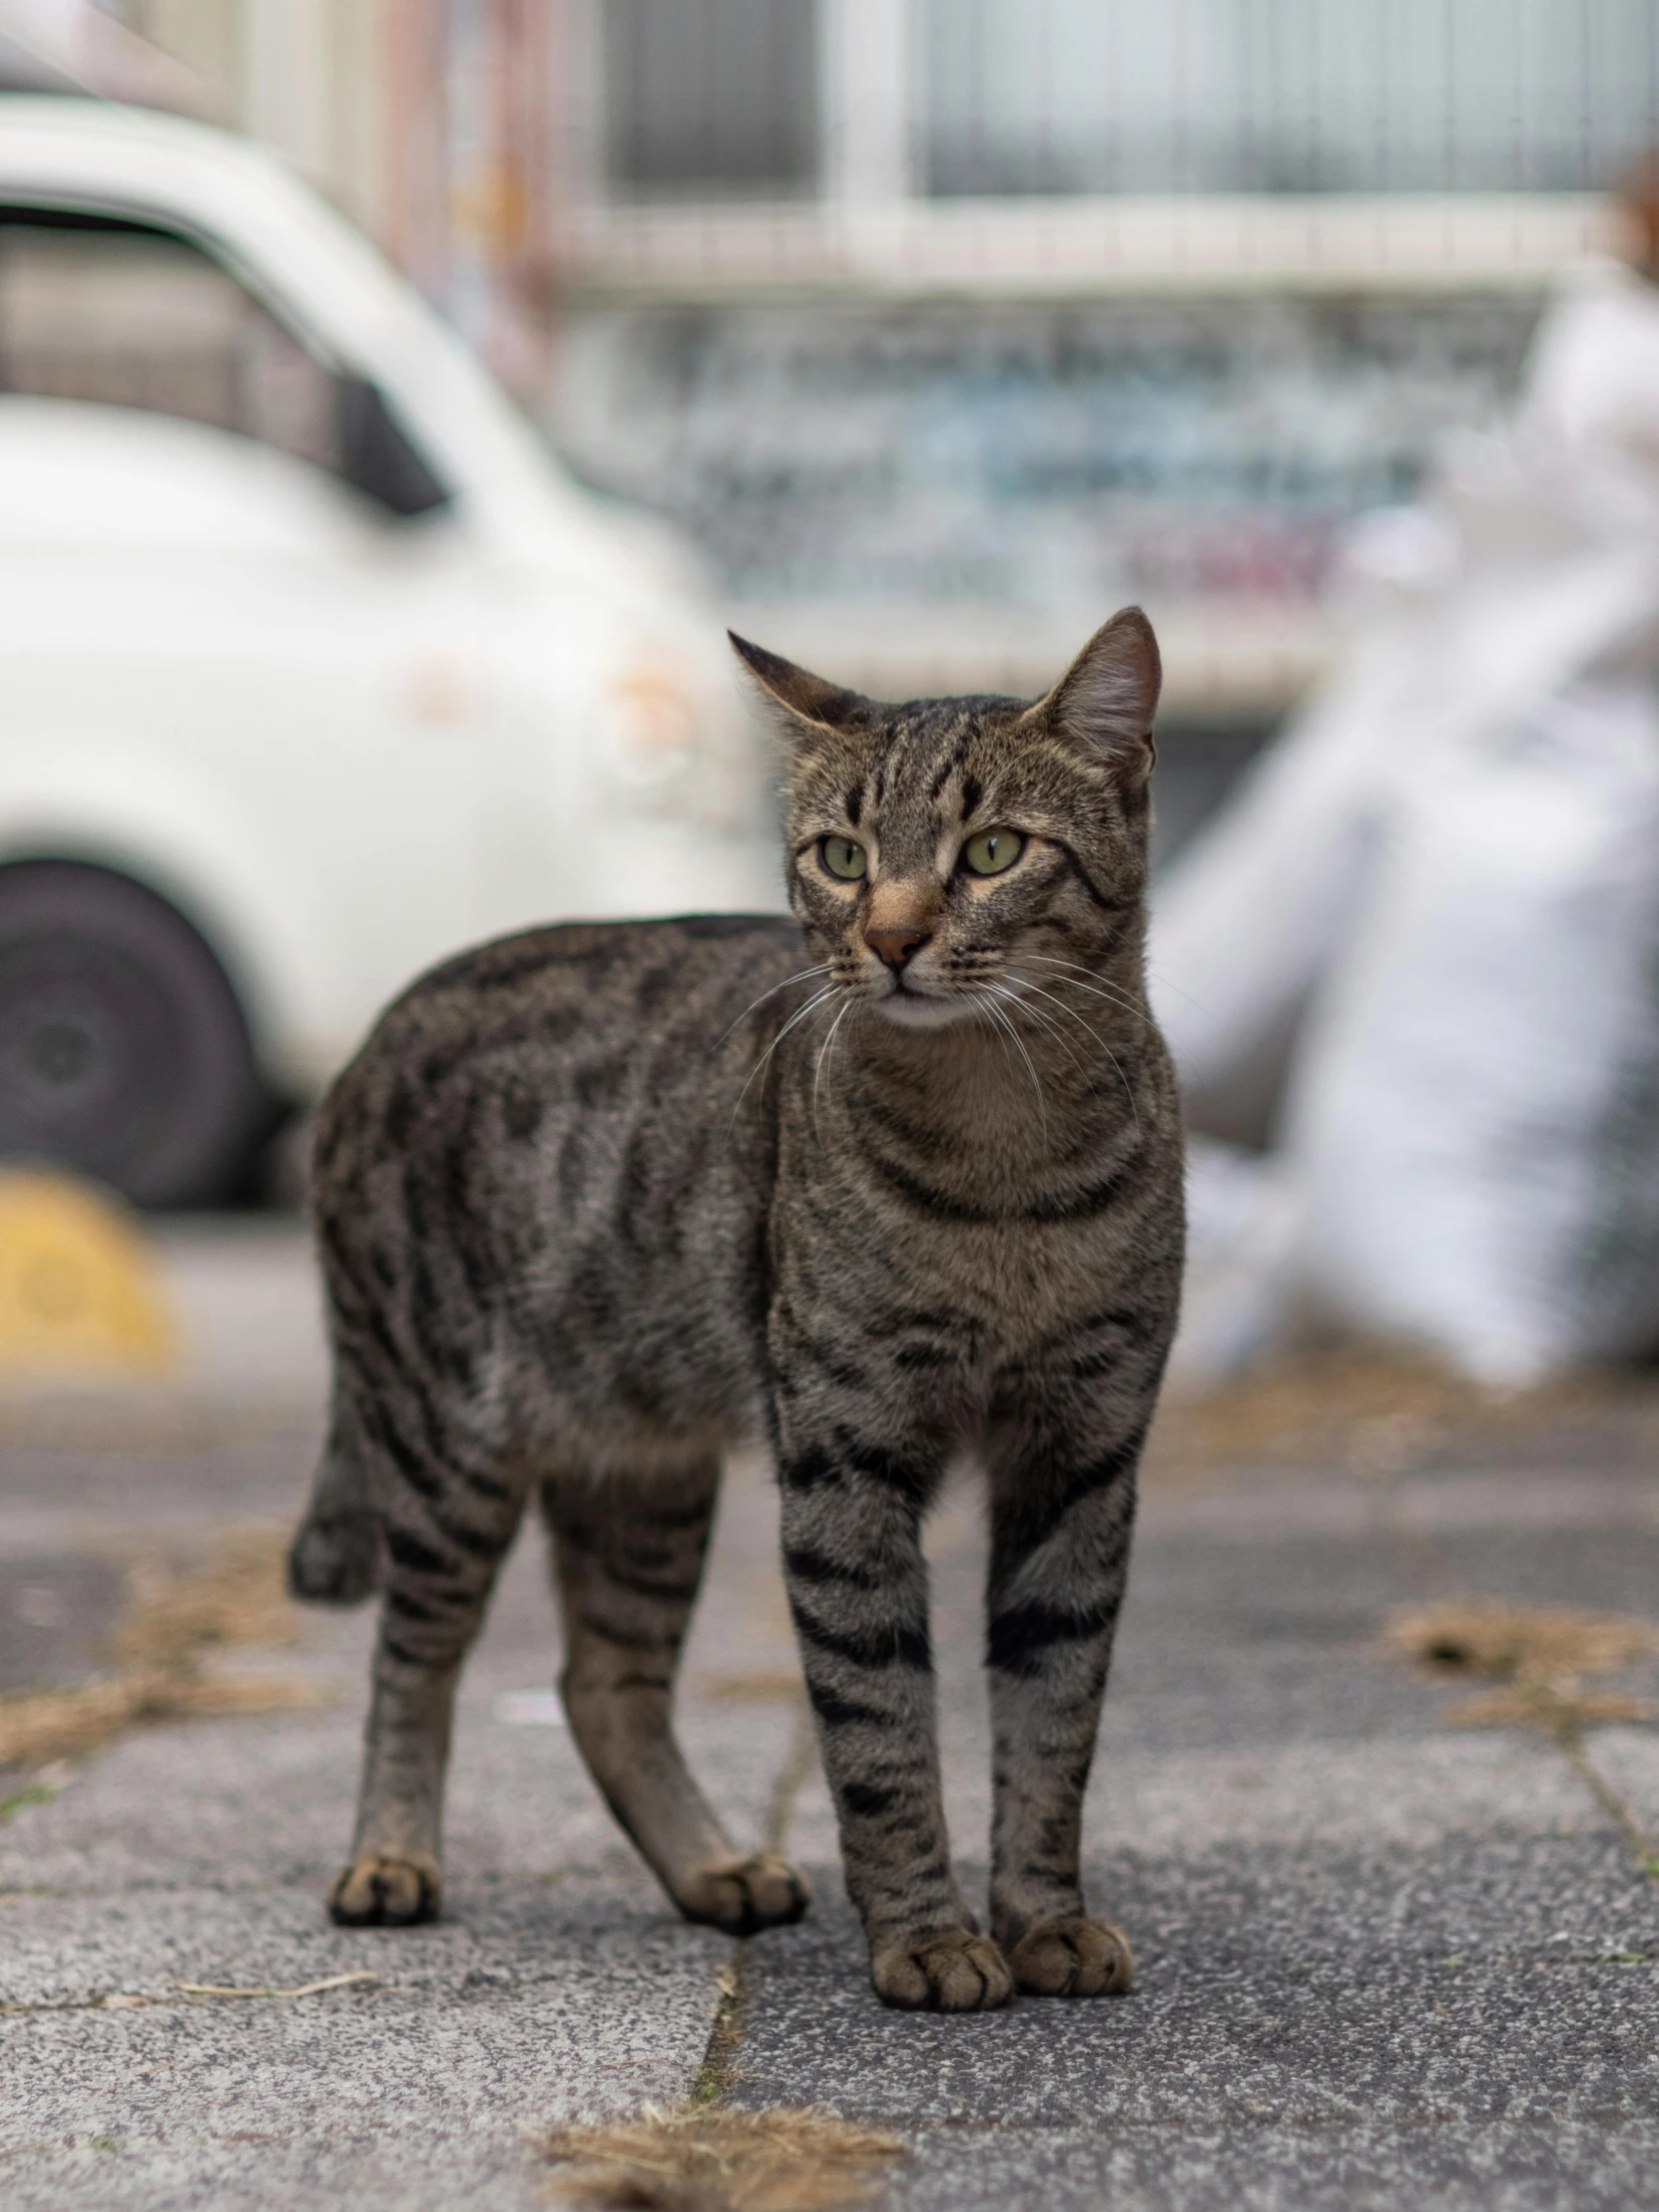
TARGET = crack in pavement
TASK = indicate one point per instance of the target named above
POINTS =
(717, 2075)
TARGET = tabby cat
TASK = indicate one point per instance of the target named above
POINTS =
(893, 1181)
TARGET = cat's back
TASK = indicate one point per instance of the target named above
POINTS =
(556, 1051)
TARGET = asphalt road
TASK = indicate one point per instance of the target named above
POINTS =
(1385, 1962)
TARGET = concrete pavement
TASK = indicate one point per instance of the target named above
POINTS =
(1383, 1962)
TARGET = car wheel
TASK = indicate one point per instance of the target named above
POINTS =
(124, 1053)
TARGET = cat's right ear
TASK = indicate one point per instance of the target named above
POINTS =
(808, 702)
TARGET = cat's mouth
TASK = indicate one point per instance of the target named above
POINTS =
(920, 1009)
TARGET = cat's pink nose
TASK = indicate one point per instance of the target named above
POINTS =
(896, 945)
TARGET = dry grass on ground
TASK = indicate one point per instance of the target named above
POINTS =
(177, 1622)
(235, 1596)
(710, 2160)
(1371, 1409)
(754, 1685)
(1540, 1654)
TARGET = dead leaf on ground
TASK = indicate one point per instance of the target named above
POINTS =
(1369, 1408)
(234, 1597)
(1536, 1704)
(758, 1683)
(189, 1992)
(1519, 1642)
(175, 1619)
(305, 1989)
(703, 2160)
(43, 1725)
(1542, 1654)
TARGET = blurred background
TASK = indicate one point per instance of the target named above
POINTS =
(938, 324)
(911, 337)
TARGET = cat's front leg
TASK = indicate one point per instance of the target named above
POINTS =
(857, 1589)
(1062, 1512)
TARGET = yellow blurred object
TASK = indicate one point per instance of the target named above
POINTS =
(79, 1290)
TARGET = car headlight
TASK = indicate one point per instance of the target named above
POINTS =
(685, 748)
(657, 728)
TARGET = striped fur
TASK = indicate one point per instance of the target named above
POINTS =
(897, 1181)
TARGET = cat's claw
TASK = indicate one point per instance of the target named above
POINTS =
(958, 1973)
(382, 1889)
(1073, 1958)
(743, 1896)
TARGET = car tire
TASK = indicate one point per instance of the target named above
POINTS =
(124, 1053)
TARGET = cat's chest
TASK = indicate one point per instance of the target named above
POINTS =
(995, 1270)
(1016, 1286)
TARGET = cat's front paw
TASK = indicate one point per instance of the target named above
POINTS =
(743, 1896)
(384, 1891)
(1073, 1958)
(958, 1973)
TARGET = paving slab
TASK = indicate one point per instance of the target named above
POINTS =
(338, 2162)
(1508, 2166)
(559, 1985)
(1628, 1759)
(55, 1608)
(1384, 1962)
(1280, 1985)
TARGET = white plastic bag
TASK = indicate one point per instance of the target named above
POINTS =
(1242, 1223)
(1244, 922)
(1452, 859)
(1473, 1127)
(1261, 905)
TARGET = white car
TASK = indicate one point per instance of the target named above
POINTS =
(314, 664)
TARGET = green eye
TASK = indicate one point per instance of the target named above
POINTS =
(993, 851)
(842, 857)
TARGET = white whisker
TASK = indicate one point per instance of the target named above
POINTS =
(817, 1070)
(1158, 977)
(800, 1013)
(1005, 1024)
(822, 969)
(1085, 980)
(1013, 994)
(856, 1007)
(1098, 1038)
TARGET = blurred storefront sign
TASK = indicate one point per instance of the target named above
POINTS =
(938, 494)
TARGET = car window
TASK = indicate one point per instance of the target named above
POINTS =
(128, 314)
(137, 318)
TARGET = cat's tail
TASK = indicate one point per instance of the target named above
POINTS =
(335, 1555)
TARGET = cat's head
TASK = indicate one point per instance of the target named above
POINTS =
(950, 849)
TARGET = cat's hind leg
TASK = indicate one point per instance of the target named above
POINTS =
(628, 1557)
(444, 1531)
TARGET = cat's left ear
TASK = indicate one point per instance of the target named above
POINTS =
(1105, 702)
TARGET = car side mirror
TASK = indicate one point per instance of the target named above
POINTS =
(376, 454)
